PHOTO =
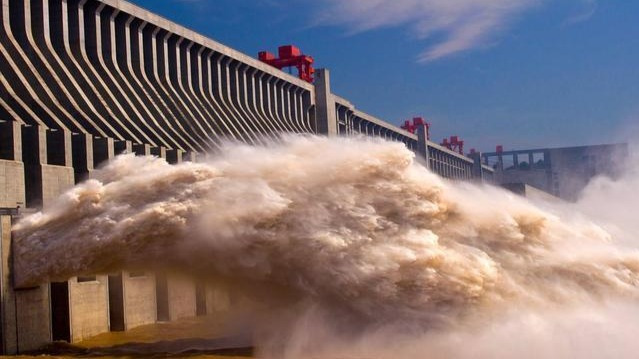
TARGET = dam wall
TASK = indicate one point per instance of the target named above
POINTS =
(82, 81)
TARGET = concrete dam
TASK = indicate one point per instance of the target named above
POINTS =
(85, 80)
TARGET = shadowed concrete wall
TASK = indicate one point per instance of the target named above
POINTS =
(25, 312)
(218, 299)
(182, 299)
(88, 302)
(139, 300)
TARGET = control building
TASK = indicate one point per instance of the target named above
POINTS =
(562, 172)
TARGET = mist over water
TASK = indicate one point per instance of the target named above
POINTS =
(360, 251)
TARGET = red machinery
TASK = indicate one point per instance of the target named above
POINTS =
(454, 144)
(290, 56)
(417, 121)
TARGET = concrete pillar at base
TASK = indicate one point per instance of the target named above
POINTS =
(12, 192)
(422, 144)
(218, 299)
(176, 297)
(82, 149)
(122, 147)
(131, 300)
(24, 313)
(88, 302)
(325, 116)
(103, 150)
(478, 170)
(44, 182)
(190, 156)
(159, 152)
(142, 149)
(174, 156)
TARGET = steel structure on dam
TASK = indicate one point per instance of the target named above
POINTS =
(84, 80)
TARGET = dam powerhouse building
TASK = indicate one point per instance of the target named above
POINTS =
(82, 81)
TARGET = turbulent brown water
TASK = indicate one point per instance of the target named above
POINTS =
(364, 239)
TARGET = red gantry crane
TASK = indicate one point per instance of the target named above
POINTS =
(412, 127)
(454, 144)
(290, 56)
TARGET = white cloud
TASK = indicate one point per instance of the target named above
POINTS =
(588, 9)
(453, 25)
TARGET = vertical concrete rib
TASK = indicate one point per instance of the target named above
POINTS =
(162, 71)
(204, 86)
(219, 78)
(154, 60)
(227, 90)
(104, 39)
(271, 103)
(212, 83)
(250, 100)
(87, 40)
(274, 96)
(99, 95)
(192, 74)
(115, 52)
(238, 99)
(146, 69)
(182, 77)
(132, 53)
(57, 42)
(29, 87)
(285, 103)
(20, 18)
(38, 35)
(260, 87)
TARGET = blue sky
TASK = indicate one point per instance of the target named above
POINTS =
(522, 73)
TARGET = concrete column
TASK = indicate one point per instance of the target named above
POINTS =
(176, 297)
(59, 148)
(531, 159)
(478, 169)
(174, 156)
(44, 182)
(88, 301)
(12, 192)
(138, 294)
(190, 156)
(218, 298)
(10, 141)
(325, 117)
(82, 148)
(159, 151)
(103, 150)
(422, 144)
(25, 313)
(122, 147)
(141, 149)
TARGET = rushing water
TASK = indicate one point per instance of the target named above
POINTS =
(359, 250)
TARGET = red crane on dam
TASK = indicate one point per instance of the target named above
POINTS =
(412, 127)
(454, 144)
(290, 56)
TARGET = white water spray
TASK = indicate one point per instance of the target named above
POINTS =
(416, 265)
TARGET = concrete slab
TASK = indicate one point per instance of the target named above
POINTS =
(218, 299)
(89, 307)
(139, 299)
(12, 192)
(25, 313)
